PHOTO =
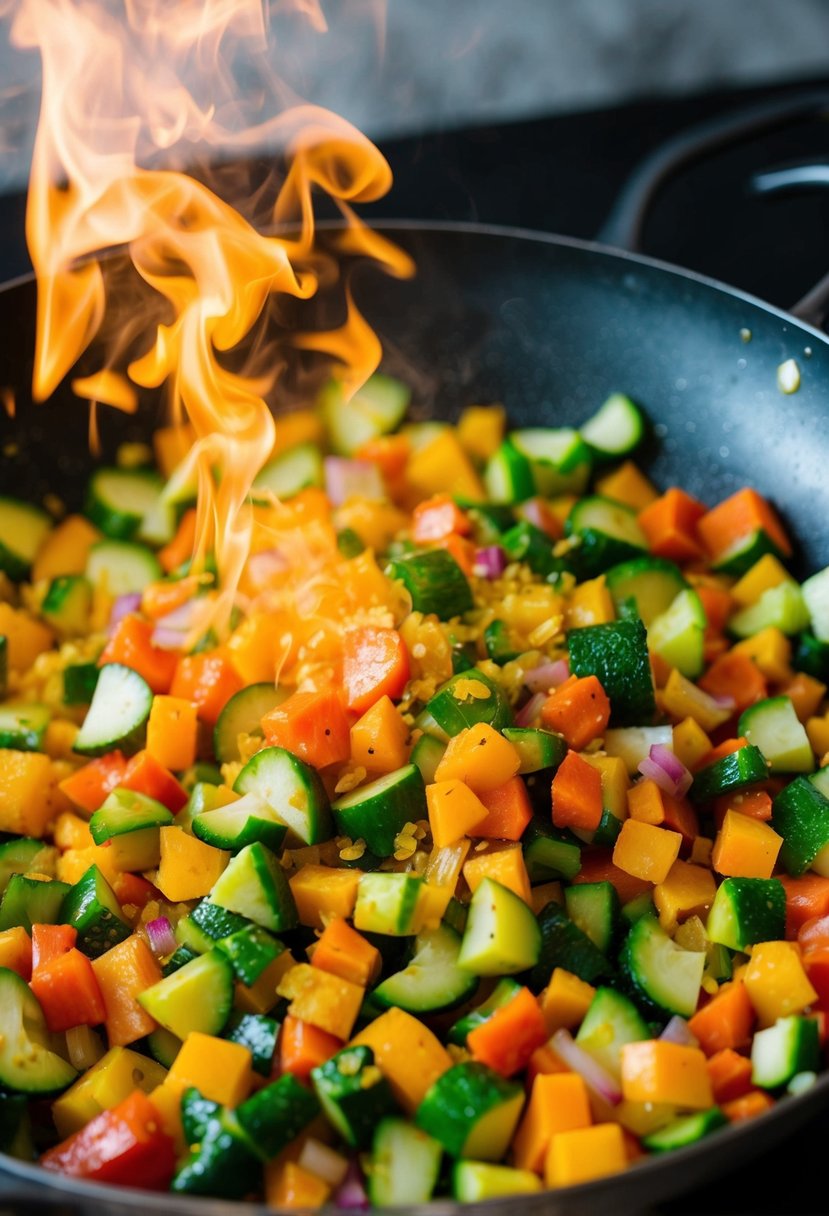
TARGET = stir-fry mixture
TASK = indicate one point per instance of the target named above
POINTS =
(488, 852)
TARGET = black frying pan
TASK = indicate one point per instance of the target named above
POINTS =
(550, 327)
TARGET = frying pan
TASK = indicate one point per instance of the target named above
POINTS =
(550, 326)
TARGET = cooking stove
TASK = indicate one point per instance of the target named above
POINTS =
(562, 174)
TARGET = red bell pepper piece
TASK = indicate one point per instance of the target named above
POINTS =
(50, 942)
(68, 992)
(146, 776)
(125, 1146)
(375, 664)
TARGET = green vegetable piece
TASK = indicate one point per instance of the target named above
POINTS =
(354, 1094)
(275, 1115)
(378, 812)
(564, 944)
(472, 1111)
(255, 885)
(29, 901)
(733, 772)
(92, 908)
(746, 911)
(435, 582)
(617, 654)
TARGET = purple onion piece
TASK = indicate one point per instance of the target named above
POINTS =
(673, 766)
(346, 479)
(123, 606)
(547, 675)
(528, 713)
(351, 1195)
(161, 936)
(678, 1031)
(490, 562)
(596, 1078)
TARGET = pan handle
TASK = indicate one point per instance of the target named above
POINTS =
(624, 226)
(787, 179)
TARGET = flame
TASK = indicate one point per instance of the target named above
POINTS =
(115, 115)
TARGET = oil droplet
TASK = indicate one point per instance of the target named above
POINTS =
(788, 376)
(745, 335)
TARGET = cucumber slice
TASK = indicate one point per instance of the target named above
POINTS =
(23, 529)
(662, 976)
(292, 790)
(23, 727)
(118, 500)
(67, 604)
(117, 717)
(653, 583)
(121, 567)
(633, 743)
(563, 944)
(27, 1063)
(746, 911)
(611, 1021)
(539, 750)
(427, 754)
(733, 772)
(800, 814)
(472, 1111)
(782, 607)
(617, 654)
(353, 1093)
(434, 581)
(387, 903)
(467, 699)
(240, 823)
(242, 715)
(375, 409)
(199, 996)
(508, 476)
(432, 980)
(782, 1051)
(502, 935)
(290, 472)
(594, 908)
(677, 635)
(474, 1181)
(378, 812)
(687, 1130)
(616, 428)
(774, 727)
(91, 907)
(608, 534)
(24, 855)
(559, 459)
(815, 593)
(30, 901)
(254, 885)
(405, 1164)
(548, 853)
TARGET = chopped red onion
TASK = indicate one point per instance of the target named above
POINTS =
(490, 562)
(352, 1194)
(171, 631)
(264, 565)
(596, 1078)
(346, 479)
(722, 700)
(678, 1031)
(123, 606)
(162, 936)
(528, 713)
(667, 770)
(547, 675)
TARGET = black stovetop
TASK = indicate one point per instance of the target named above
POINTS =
(561, 174)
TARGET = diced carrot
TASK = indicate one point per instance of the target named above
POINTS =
(726, 1021)
(131, 645)
(312, 725)
(730, 1075)
(16, 951)
(389, 452)
(462, 550)
(172, 731)
(681, 817)
(544, 1061)
(375, 665)
(438, 517)
(123, 972)
(161, 597)
(68, 992)
(578, 709)
(180, 548)
(209, 679)
(670, 525)
(506, 1041)
(737, 518)
(343, 951)
(509, 810)
(88, 787)
(133, 889)
(749, 1106)
(50, 942)
(806, 694)
(577, 794)
(726, 748)
(146, 776)
(303, 1046)
(597, 866)
(754, 803)
(735, 675)
(811, 934)
(717, 603)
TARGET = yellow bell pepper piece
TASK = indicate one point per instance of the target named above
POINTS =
(26, 781)
(559, 1102)
(66, 549)
(260, 997)
(479, 756)
(771, 651)
(167, 1101)
(25, 637)
(220, 1070)
(379, 739)
(615, 782)
(103, 1086)
(645, 851)
(655, 1070)
(189, 867)
(454, 810)
(504, 864)
(687, 891)
(682, 699)
(481, 430)
(776, 982)
(293, 1187)
(745, 847)
(565, 1000)
(588, 1152)
(322, 998)
(691, 743)
(443, 466)
(766, 573)
(407, 1053)
(590, 603)
(629, 485)
(323, 892)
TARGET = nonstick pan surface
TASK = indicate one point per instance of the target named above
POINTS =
(549, 326)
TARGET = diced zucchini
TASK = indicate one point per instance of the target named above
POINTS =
(22, 855)
(131, 821)
(508, 475)
(594, 908)
(405, 1164)
(255, 885)
(27, 1063)
(559, 459)
(549, 854)
(815, 593)
(23, 529)
(223, 1164)
(611, 1021)
(250, 951)
(275, 1115)
(117, 717)
(387, 903)
(677, 634)
(789, 1047)
(472, 1111)
(199, 996)
(23, 727)
(427, 754)
(67, 604)
(353, 1093)
(746, 911)
(800, 814)
(539, 750)
(563, 944)
(503, 992)
(744, 767)
(467, 699)
(375, 409)
(119, 499)
(746, 552)
(434, 581)
(30, 901)
(782, 607)
(196, 1114)
(653, 583)
(607, 532)
(290, 472)
(236, 824)
(812, 656)
(498, 645)
(474, 1181)
(433, 979)
(616, 428)
(259, 1034)
(529, 544)
(79, 683)
(662, 976)
(121, 567)
(684, 1131)
(502, 935)
(378, 812)
(293, 791)
(774, 727)
(617, 654)
(91, 907)
(242, 715)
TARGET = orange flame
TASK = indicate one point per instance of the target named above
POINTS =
(113, 100)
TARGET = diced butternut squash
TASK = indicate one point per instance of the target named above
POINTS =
(26, 637)
(766, 573)
(171, 732)
(565, 1000)
(770, 650)
(379, 739)
(346, 953)
(408, 1054)
(167, 1101)
(66, 549)
(559, 1102)
(644, 801)
(454, 810)
(687, 890)
(505, 865)
(260, 997)
(292, 1187)
(745, 847)
(16, 951)
(645, 851)
(691, 744)
(103, 1086)
(776, 982)
(627, 484)
(323, 892)
(589, 1152)
(443, 466)
(479, 756)
(590, 603)
(481, 430)
(322, 999)
(659, 1071)
(26, 782)
(122, 973)
(219, 1069)
(189, 867)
